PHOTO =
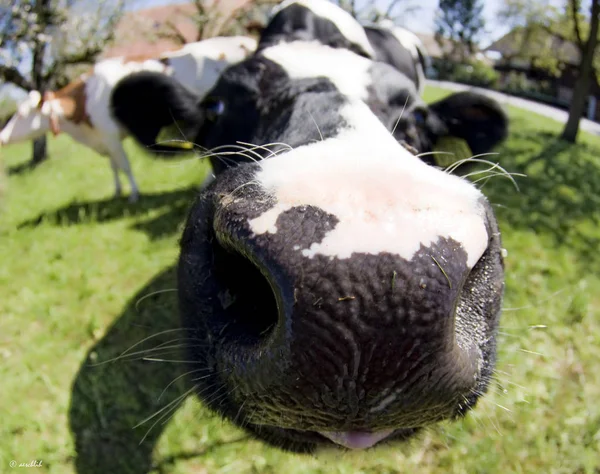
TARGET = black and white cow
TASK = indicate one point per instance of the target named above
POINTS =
(335, 289)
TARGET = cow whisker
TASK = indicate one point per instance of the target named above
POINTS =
(168, 290)
(544, 300)
(501, 172)
(317, 125)
(505, 380)
(509, 177)
(172, 361)
(428, 153)
(137, 344)
(241, 186)
(226, 393)
(272, 144)
(267, 145)
(239, 412)
(221, 154)
(171, 403)
(472, 159)
(401, 113)
(176, 379)
(493, 166)
(171, 407)
(476, 416)
(163, 350)
(257, 155)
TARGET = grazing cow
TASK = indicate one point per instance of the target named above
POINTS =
(81, 109)
(335, 290)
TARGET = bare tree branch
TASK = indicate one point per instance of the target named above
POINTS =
(393, 4)
(12, 75)
(174, 33)
(574, 4)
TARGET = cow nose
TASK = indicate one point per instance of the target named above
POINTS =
(315, 310)
(317, 337)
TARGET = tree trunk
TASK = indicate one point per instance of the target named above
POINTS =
(582, 85)
(39, 151)
(42, 8)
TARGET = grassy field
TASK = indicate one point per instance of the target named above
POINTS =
(83, 277)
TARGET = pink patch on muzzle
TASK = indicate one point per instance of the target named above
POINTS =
(356, 439)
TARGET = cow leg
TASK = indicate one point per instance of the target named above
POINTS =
(115, 169)
(119, 159)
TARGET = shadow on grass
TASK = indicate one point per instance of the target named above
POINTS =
(110, 399)
(171, 205)
(560, 196)
(21, 168)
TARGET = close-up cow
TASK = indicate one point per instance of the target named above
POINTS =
(81, 109)
(335, 289)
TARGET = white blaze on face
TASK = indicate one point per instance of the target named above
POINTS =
(348, 71)
(385, 199)
(348, 26)
(30, 121)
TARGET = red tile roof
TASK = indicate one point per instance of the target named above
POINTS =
(137, 34)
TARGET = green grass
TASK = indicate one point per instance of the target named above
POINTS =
(74, 263)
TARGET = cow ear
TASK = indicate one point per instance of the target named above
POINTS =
(145, 103)
(472, 117)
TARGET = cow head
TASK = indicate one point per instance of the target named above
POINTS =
(339, 291)
(335, 290)
(33, 118)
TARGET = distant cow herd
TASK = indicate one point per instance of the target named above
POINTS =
(336, 289)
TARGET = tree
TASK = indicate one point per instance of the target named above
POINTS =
(212, 19)
(587, 48)
(246, 16)
(398, 11)
(459, 22)
(44, 42)
(549, 37)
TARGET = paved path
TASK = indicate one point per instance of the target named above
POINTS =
(542, 109)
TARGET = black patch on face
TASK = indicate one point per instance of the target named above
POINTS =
(262, 105)
(299, 23)
(319, 344)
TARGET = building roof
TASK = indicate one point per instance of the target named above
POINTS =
(512, 45)
(139, 32)
(434, 50)
(431, 45)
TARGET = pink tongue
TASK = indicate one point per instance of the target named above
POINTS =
(356, 439)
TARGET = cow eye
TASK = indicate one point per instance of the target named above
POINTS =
(420, 116)
(214, 108)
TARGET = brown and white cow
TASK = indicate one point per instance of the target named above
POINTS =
(82, 108)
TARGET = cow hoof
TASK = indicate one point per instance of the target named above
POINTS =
(133, 198)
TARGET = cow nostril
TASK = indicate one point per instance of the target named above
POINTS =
(250, 312)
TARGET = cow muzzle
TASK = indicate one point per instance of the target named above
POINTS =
(351, 346)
